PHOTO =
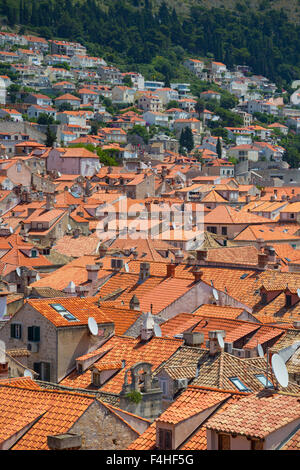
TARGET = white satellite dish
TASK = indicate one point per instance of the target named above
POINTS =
(280, 370)
(37, 277)
(157, 330)
(220, 340)
(215, 294)
(59, 174)
(286, 353)
(260, 350)
(126, 267)
(298, 292)
(92, 325)
(18, 271)
(69, 227)
(28, 373)
(11, 230)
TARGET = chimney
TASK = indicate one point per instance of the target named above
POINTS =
(262, 260)
(147, 327)
(67, 441)
(283, 197)
(92, 271)
(3, 370)
(202, 255)
(272, 198)
(179, 257)
(197, 275)
(134, 303)
(248, 198)
(214, 347)
(144, 271)
(193, 338)
(270, 252)
(260, 243)
(102, 250)
(171, 270)
(49, 202)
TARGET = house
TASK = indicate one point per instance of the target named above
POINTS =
(56, 59)
(64, 86)
(88, 96)
(156, 118)
(11, 114)
(56, 332)
(73, 161)
(123, 94)
(35, 110)
(166, 95)
(41, 418)
(245, 152)
(67, 99)
(192, 123)
(68, 48)
(38, 98)
(150, 102)
(196, 66)
(210, 95)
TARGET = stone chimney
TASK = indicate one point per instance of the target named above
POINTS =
(193, 338)
(202, 255)
(260, 243)
(171, 270)
(49, 202)
(262, 260)
(147, 327)
(214, 346)
(134, 303)
(270, 252)
(66, 441)
(144, 271)
(197, 275)
(102, 250)
(92, 271)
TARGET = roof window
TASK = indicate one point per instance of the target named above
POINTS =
(239, 385)
(63, 312)
(263, 380)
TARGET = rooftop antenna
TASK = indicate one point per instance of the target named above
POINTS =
(92, 326)
(280, 370)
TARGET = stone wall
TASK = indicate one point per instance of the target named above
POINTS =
(103, 430)
(24, 127)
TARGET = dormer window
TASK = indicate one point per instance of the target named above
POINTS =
(288, 300)
(164, 439)
(96, 379)
(34, 253)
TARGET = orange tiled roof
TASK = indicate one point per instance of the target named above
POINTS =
(257, 415)
(132, 350)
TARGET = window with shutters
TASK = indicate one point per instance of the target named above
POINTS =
(165, 439)
(43, 369)
(34, 333)
(223, 442)
(16, 330)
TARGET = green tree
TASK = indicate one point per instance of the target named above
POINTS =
(219, 148)
(140, 131)
(50, 137)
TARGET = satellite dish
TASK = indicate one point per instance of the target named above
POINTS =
(37, 277)
(11, 230)
(92, 325)
(220, 340)
(298, 292)
(260, 350)
(215, 294)
(157, 330)
(69, 227)
(280, 370)
(18, 271)
(28, 373)
(286, 353)
(126, 267)
(59, 174)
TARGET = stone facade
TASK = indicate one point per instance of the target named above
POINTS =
(101, 429)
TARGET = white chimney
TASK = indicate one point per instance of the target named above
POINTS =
(147, 327)
(214, 346)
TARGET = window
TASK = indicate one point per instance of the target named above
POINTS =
(238, 384)
(165, 439)
(34, 253)
(16, 330)
(264, 298)
(223, 442)
(288, 300)
(224, 230)
(164, 386)
(263, 380)
(212, 229)
(96, 379)
(33, 333)
(43, 369)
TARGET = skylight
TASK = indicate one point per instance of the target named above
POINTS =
(63, 312)
(263, 380)
(243, 276)
(239, 385)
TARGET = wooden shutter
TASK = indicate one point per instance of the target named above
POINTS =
(224, 442)
(165, 439)
(12, 330)
(37, 368)
(30, 333)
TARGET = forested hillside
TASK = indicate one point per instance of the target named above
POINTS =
(133, 32)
